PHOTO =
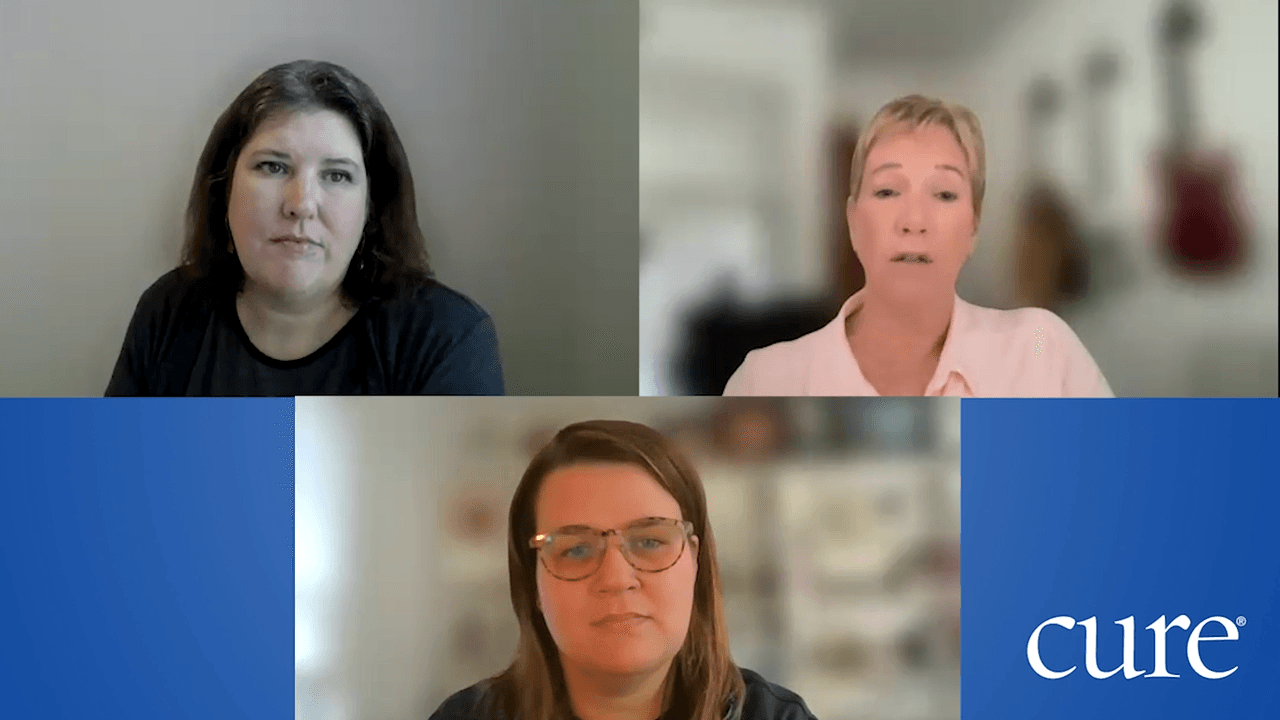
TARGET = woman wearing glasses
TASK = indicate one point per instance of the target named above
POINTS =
(616, 589)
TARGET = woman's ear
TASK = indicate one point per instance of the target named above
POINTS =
(850, 205)
(973, 239)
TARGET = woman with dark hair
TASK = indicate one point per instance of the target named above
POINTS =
(617, 592)
(304, 270)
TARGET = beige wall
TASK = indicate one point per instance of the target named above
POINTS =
(519, 120)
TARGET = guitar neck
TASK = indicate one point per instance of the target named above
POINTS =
(1178, 98)
(1096, 150)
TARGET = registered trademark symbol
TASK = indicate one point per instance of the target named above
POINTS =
(1240, 621)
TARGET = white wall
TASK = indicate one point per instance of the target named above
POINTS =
(518, 118)
(781, 50)
(323, 556)
(371, 468)
(1145, 340)
(732, 161)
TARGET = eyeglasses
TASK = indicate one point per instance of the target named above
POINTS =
(577, 552)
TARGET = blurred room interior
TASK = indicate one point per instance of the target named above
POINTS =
(1127, 147)
(836, 521)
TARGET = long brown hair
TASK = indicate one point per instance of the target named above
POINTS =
(703, 678)
(392, 255)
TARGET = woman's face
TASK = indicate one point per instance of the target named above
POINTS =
(298, 204)
(604, 496)
(912, 224)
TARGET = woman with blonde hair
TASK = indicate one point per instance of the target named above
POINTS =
(917, 183)
(617, 592)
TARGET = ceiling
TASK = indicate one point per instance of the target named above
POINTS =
(868, 30)
(876, 31)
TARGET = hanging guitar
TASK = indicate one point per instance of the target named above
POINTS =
(1052, 261)
(1201, 230)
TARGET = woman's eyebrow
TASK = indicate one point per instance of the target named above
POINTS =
(341, 161)
(640, 522)
(571, 529)
(898, 166)
(270, 152)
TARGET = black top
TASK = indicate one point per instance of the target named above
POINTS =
(763, 701)
(186, 339)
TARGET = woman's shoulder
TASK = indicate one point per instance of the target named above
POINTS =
(474, 703)
(1005, 320)
(777, 369)
(434, 302)
(789, 350)
(175, 284)
(1041, 349)
(1028, 323)
(179, 293)
(765, 700)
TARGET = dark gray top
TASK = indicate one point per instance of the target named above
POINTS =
(186, 339)
(763, 701)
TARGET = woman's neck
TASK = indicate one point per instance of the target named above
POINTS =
(913, 329)
(606, 696)
(288, 328)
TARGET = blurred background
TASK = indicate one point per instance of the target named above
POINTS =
(1132, 185)
(836, 524)
(519, 120)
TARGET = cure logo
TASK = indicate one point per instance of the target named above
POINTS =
(1160, 629)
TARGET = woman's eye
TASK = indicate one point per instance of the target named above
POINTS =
(947, 196)
(650, 543)
(340, 176)
(884, 193)
(271, 167)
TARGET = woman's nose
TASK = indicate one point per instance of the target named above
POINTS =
(614, 570)
(300, 200)
(913, 218)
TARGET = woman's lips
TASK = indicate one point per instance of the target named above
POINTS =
(915, 258)
(295, 247)
(621, 621)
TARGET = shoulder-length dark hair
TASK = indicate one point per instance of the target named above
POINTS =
(392, 254)
(703, 679)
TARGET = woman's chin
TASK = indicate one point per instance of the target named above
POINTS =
(908, 284)
(289, 282)
(625, 658)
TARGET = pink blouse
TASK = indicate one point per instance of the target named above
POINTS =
(1028, 352)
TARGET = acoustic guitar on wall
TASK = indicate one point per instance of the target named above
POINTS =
(1201, 230)
(1052, 262)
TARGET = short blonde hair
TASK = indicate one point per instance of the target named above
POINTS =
(915, 111)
